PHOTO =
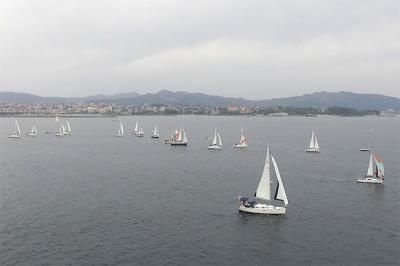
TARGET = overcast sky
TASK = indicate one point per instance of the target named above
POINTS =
(251, 49)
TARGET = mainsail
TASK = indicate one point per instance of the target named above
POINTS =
(370, 171)
(379, 165)
(263, 189)
(17, 130)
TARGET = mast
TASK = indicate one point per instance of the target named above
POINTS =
(264, 189)
(280, 193)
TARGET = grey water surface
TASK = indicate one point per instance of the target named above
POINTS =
(94, 199)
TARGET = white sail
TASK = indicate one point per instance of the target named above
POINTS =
(155, 132)
(63, 128)
(56, 120)
(219, 140)
(136, 126)
(60, 131)
(184, 137)
(17, 130)
(179, 137)
(370, 171)
(34, 130)
(215, 138)
(68, 127)
(316, 145)
(280, 193)
(121, 129)
(263, 189)
(312, 141)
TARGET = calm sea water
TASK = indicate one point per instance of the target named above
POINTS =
(94, 199)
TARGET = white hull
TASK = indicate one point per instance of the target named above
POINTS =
(31, 134)
(312, 150)
(60, 135)
(214, 147)
(155, 137)
(240, 146)
(365, 149)
(67, 133)
(139, 135)
(370, 180)
(118, 135)
(264, 209)
(14, 136)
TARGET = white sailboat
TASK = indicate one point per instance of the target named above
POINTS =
(33, 132)
(140, 132)
(170, 139)
(155, 135)
(180, 138)
(67, 129)
(243, 141)
(17, 132)
(57, 120)
(217, 142)
(120, 132)
(261, 202)
(61, 131)
(375, 175)
(314, 146)
(136, 129)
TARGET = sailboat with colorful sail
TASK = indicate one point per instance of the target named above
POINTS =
(180, 138)
(120, 132)
(243, 141)
(217, 142)
(33, 132)
(314, 146)
(261, 203)
(376, 172)
(17, 132)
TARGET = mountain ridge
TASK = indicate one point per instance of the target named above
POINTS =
(167, 97)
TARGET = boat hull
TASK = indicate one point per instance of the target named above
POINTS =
(370, 180)
(154, 137)
(214, 147)
(178, 144)
(118, 135)
(13, 136)
(365, 149)
(241, 146)
(31, 134)
(312, 150)
(60, 135)
(267, 209)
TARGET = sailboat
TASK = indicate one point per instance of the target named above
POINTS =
(261, 202)
(33, 132)
(314, 146)
(17, 132)
(57, 120)
(155, 135)
(180, 138)
(120, 132)
(61, 130)
(136, 127)
(140, 132)
(217, 142)
(375, 173)
(243, 141)
(67, 129)
(170, 139)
